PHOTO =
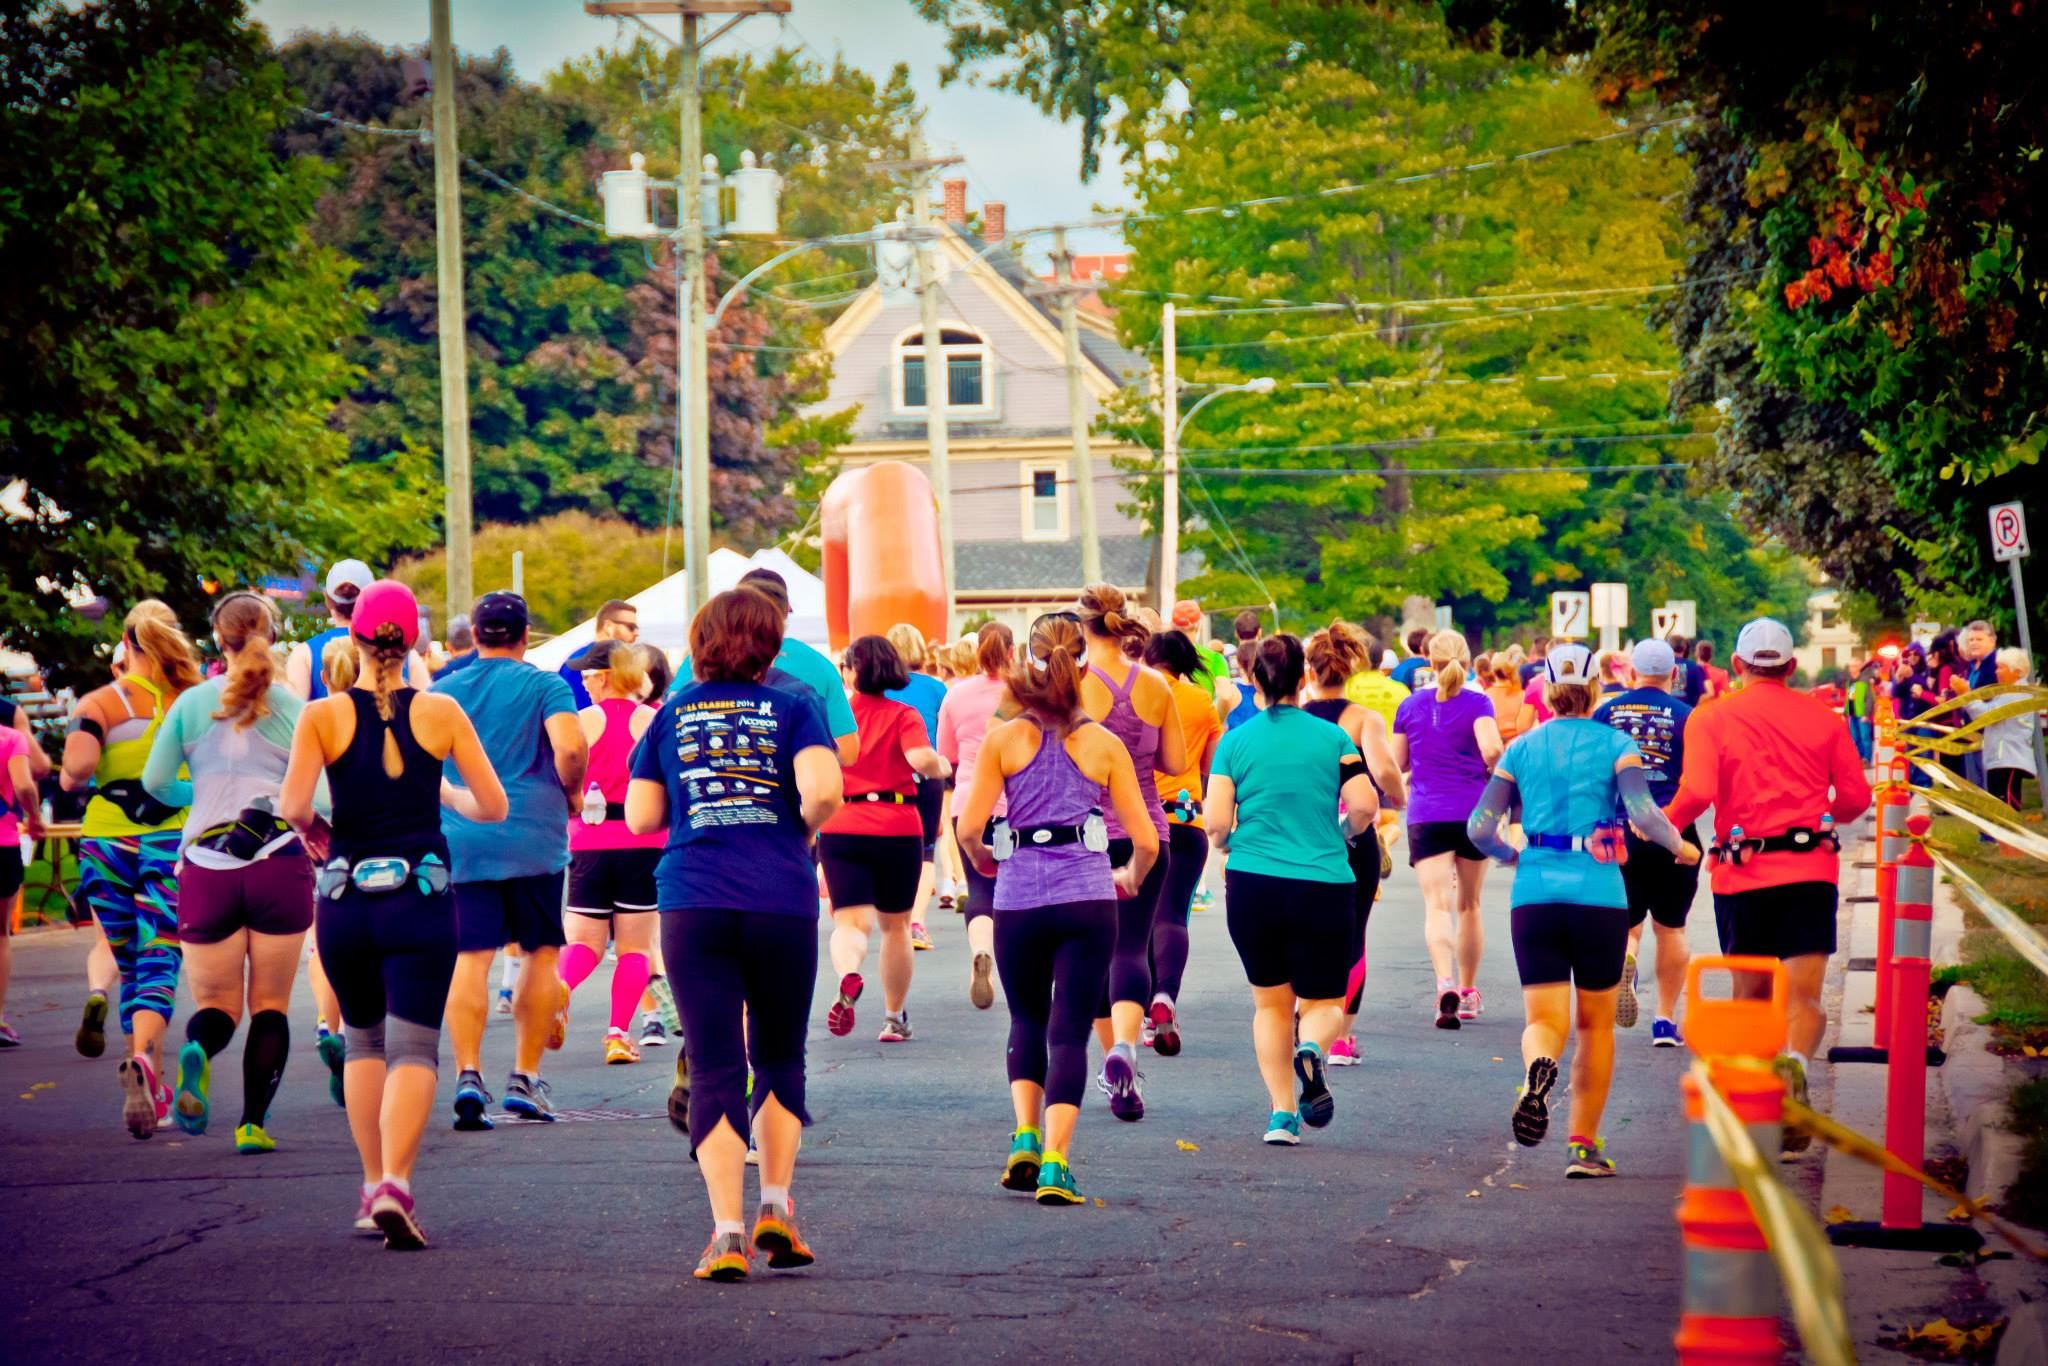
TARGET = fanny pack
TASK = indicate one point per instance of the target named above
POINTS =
(135, 803)
(1739, 848)
(246, 836)
(1091, 834)
(376, 876)
(1606, 844)
(1182, 812)
(893, 798)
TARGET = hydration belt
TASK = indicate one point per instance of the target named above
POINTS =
(1092, 834)
(893, 798)
(1605, 844)
(1798, 840)
(245, 836)
(376, 876)
(134, 801)
(1183, 812)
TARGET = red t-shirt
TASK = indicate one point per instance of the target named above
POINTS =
(887, 729)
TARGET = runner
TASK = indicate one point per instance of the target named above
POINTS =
(739, 903)
(964, 720)
(128, 850)
(383, 914)
(1417, 658)
(1289, 888)
(1174, 656)
(926, 693)
(799, 663)
(1570, 908)
(1136, 706)
(870, 849)
(1717, 679)
(1447, 741)
(1373, 686)
(304, 664)
(617, 620)
(1511, 715)
(1056, 913)
(21, 811)
(508, 879)
(245, 883)
(1659, 887)
(1333, 657)
(611, 869)
(1780, 773)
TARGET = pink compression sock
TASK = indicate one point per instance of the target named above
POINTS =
(629, 979)
(1354, 988)
(578, 962)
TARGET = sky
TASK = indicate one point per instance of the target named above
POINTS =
(1013, 152)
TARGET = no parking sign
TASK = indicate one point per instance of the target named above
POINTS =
(2009, 532)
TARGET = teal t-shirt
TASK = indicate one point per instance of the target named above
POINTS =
(803, 663)
(1564, 770)
(1286, 768)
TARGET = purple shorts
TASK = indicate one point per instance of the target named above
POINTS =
(270, 896)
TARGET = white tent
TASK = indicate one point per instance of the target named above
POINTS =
(665, 607)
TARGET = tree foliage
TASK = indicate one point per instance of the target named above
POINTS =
(573, 563)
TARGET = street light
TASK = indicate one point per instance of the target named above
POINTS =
(1169, 512)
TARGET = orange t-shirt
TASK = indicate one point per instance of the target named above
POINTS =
(1199, 727)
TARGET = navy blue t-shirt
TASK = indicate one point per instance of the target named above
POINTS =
(1655, 720)
(1405, 671)
(726, 752)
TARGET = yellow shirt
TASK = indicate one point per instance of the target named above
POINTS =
(1377, 690)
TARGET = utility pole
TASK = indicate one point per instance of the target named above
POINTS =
(1077, 410)
(1169, 491)
(453, 327)
(937, 373)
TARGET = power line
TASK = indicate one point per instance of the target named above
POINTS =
(1445, 301)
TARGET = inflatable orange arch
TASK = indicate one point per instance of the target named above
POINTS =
(883, 562)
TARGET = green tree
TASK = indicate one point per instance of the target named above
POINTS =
(573, 563)
(168, 329)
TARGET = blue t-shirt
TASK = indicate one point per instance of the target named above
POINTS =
(1405, 671)
(318, 645)
(1285, 766)
(924, 695)
(1655, 720)
(1564, 770)
(574, 678)
(1247, 707)
(455, 662)
(726, 753)
(508, 701)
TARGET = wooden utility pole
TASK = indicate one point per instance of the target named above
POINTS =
(1077, 409)
(1169, 488)
(453, 325)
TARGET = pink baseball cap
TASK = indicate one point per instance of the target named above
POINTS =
(387, 602)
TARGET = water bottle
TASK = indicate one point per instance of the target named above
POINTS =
(593, 806)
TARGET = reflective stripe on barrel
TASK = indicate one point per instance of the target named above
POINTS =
(1730, 1284)
(1912, 937)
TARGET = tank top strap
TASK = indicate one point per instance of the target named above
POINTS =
(1120, 692)
(121, 691)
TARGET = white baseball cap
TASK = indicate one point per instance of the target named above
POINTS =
(348, 573)
(1652, 658)
(1766, 642)
(1568, 664)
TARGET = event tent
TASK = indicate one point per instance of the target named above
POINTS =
(665, 607)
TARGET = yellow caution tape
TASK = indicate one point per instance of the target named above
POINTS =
(1980, 809)
(2029, 698)
(2024, 938)
(1847, 1140)
(1805, 1260)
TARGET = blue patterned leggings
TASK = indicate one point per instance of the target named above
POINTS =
(131, 883)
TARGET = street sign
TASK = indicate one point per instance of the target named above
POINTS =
(1443, 619)
(1675, 618)
(1610, 604)
(1926, 630)
(2009, 533)
(1570, 615)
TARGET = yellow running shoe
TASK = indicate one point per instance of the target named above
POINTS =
(558, 1029)
(619, 1049)
(250, 1138)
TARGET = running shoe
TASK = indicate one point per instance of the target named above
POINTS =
(333, 1050)
(472, 1102)
(945, 901)
(392, 1210)
(1165, 1022)
(1344, 1052)
(839, 1019)
(753, 1154)
(92, 1026)
(775, 1234)
(1284, 1128)
(1531, 1119)
(1121, 1081)
(527, 1097)
(8, 1038)
(1020, 1171)
(1792, 1072)
(981, 988)
(558, 1027)
(895, 1029)
(619, 1049)
(1204, 899)
(1056, 1183)
(1664, 1034)
(251, 1138)
(1470, 1004)
(1447, 1003)
(920, 937)
(1317, 1104)
(364, 1223)
(138, 1096)
(163, 1103)
(1148, 1037)
(504, 1002)
(653, 1033)
(1588, 1160)
(195, 1071)
(679, 1097)
(665, 1003)
(726, 1258)
(1625, 1007)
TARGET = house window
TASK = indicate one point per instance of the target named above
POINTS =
(1045, 503)
(1827, 657)
(1829, 618)
(967, 370)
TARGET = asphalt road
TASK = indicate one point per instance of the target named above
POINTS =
(1411, 1229)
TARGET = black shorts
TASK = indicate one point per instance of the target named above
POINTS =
(1290, 932)
(526, 911)
(1659, 886)
(1557, 941)
(872, 870)
(931, 795)
(605, 880)
(1427, 839)
(11, 876)
(1787, 921)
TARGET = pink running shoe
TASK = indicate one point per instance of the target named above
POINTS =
(839, 1018)
(1344, 1052)
(392, 1211)
(1470, 1004)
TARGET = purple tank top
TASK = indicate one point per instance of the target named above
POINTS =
(1050, 790)
(1141, 738)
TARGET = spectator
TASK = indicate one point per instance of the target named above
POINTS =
(616, 620)
(2008, 745)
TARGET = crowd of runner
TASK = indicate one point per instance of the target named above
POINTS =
(1073, 794)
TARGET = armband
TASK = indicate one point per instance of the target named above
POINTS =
(82, 724)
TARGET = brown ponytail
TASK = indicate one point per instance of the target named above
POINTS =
(387, 653)
(993, 648)
(152, 629)
(1048, 682)
(1335, 653)
(1447, 649)
(239, 623)
(1106, 616)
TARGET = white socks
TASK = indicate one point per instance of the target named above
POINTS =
(777, 1196)
(721, 1227)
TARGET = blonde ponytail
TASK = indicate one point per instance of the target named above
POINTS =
(241, 620)
(1450, 657)
(152, 629)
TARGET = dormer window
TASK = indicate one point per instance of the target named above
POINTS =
(966, 356)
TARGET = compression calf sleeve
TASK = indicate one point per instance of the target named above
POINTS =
(629, 980)
(211, 1029)
(263, 1058)
(578, 962)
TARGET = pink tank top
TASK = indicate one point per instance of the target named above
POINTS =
(611, 766)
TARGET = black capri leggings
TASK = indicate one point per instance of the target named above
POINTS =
(1187, 847)
(1365, 867)
(1556, 941)
(1130, 965)
(981, 891)
(931, 800)
(1052, 961)
(743, 981)
(388, 953)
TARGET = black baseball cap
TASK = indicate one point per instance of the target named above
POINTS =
(598, 655)
(499, 619)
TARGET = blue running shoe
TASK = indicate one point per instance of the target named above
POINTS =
(527, 1097)
(195, 1070)
(1664, 1034)
(471, 1103)
(333, 1050)
(1284, 1128)
(1020, 1171)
